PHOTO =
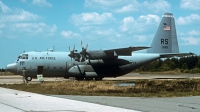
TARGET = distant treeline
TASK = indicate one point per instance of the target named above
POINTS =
(2, 70)
(184, 64)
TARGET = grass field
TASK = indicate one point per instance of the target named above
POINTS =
(5, 73)
(142, 88)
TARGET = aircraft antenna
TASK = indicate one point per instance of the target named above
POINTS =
(54, 48)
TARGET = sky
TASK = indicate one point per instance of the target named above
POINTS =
(38, 25)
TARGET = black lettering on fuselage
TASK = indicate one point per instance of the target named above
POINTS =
(51, 58)
(42, 58)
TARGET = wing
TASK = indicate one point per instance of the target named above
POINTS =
(167, 55)
(125, 51)
(112, 53)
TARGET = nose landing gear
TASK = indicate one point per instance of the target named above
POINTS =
(24, 76)
(28, 78)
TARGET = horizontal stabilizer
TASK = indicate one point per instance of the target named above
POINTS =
(125, 51)
(168, 55)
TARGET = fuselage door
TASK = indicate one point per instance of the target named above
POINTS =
(40, 69)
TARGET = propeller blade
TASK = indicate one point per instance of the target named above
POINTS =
(86, 47)
(83, 52)
(74, 48)
(80, 59)
(72, 53)
(81, 44)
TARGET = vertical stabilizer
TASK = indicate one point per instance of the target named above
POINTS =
(165, 39)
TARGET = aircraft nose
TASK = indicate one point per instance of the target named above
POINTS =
(11, 68)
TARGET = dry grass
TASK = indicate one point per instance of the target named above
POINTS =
(5, 73)
(143, 88)
(163, 72)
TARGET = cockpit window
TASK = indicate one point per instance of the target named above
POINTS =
(23, 56)
(19, 57)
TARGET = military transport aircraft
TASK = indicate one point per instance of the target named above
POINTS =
(99, 63)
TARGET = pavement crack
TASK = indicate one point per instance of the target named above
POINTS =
(186, 106)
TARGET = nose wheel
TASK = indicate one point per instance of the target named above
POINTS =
(28, 78)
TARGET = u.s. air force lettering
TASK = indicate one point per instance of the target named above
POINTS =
(45, 58)
(164, 42)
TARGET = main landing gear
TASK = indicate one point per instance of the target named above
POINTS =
(88, 78)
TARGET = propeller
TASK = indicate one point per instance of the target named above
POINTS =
(83, 52)
(72, 55)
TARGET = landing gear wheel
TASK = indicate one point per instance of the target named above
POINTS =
(28, 78)
(79, 78)
(98, 78)
(88, 78)
(66, 77)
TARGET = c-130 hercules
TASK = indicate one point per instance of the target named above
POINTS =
(99, 63)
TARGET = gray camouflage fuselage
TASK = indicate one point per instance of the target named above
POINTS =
(58, 64)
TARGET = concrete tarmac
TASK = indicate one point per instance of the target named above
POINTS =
(20, 101)
(17, 79)
(173, 104)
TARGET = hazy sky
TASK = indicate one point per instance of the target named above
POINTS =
(29, 25)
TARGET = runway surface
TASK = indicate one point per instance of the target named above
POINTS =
(13, 100)
(16, 79)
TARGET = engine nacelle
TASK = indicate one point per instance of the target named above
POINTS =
(81, 70)
(90, 74)
(93, 62)
(97, 54)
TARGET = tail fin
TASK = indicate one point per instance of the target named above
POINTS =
(165, 39)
